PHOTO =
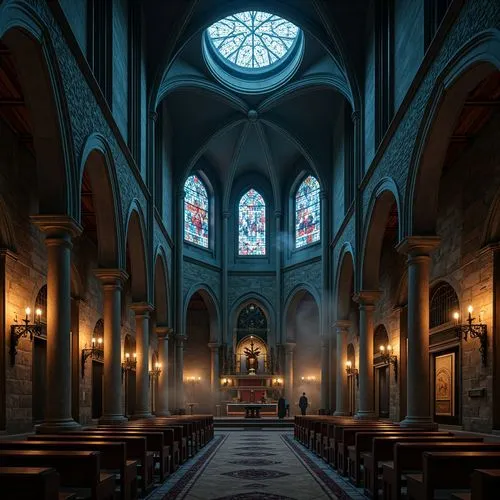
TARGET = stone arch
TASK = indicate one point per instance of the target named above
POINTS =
(443, 302)
(212, 306)
(161, 289)
(383, 199)
(345, 280)
(474, 61)
(137, 254)
(98, 166)
(292, 303)
(380, 338)
(27, 37)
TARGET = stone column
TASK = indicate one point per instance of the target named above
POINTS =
(325, 372)
(142, 402)
(418, 250)
(289, 348)
(214, 371)
(112, 280)
(59, 230)
(366, 300)
(179, 369)
(163, 333)
(342, 395)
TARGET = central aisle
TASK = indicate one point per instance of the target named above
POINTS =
(248, 465)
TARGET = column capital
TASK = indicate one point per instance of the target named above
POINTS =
(141, 308)
(290, 346)
(180, 339)
(325, 341)
(277, 213)
(57, 226)
(153, 115)
(213, 346)
(226, 214)
(164, 332)
(367, 297)
(355, 116)
(415, 246)
(342, 325)
(114, 277)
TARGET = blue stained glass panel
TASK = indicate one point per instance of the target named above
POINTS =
(196, 212)
(307, 213)
(252, 224)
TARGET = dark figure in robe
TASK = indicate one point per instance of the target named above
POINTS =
(281, 407)
(303, 403)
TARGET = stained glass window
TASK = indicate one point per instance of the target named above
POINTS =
(253, 39)
(252, 224)
(307, 213)
(196, 212)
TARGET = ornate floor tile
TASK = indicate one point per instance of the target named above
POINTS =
(260, 474)
(255, 495)
(253, 462)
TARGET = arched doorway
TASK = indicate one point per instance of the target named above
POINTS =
(382, 373)
(39, 361)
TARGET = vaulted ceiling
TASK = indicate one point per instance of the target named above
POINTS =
(275, 134)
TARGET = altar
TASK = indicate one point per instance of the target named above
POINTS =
(239, 409)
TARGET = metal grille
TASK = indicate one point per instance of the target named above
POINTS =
(444, 302)
(41, 303)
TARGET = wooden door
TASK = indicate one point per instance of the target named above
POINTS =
(383, 392)
(39, 379)
(97, 377)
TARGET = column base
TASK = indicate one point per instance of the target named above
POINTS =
(165, 413)
(112, 419)
(56, 426)
(419, 422)
(138, 416)
(365, 415)
(341, 414)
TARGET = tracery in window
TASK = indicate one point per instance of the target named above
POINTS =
(252, 224)
(253, 39)
(196, 213)
(307, 213)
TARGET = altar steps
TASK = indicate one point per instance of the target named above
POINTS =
(252, 423)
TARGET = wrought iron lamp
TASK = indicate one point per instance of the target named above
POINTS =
(353, 372)
(277, 382)
(155, 372)
(474, 331)
(310, 379)
(225, 382)
(23, 330)
(96, 351)
(389, 358)
(129, 363)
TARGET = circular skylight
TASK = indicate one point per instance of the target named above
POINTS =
(253, 51)
(253, 39)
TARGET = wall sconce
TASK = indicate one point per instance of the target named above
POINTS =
(311, 379)
(474, 330)
(155, 372)
(17, 331)
(225, 382)
(388, 357)
(352, 372)
(129, 363)
(277, 382)
(193, 380)
(96, 351)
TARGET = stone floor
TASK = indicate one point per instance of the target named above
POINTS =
(250, 464)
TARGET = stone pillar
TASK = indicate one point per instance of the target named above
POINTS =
(112, 280)
(289, 348)
(366, 300)
(59, 230)
(214, 371)
(418, 250)
(142, 402)
(179, 369)
(163, 333)
(325, 373)
(342, 395)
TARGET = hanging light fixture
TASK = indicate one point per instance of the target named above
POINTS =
(23, 330)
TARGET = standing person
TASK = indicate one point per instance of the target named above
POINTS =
(303, 403)
(281, 407)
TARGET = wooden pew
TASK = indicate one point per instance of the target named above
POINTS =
(31, 483)
(362, 448)
(113, 458)
(188, 441)
(154, 442)
(448, 470)
(136, 450)
(407, 457)
(77, 469)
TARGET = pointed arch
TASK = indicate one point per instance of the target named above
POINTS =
(136, 254)
(307, 210)
(252, 224)
(212, 306)
(296, 296)
(345, 280)
(161, 289)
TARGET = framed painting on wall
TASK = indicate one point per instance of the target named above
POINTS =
(444, 385)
